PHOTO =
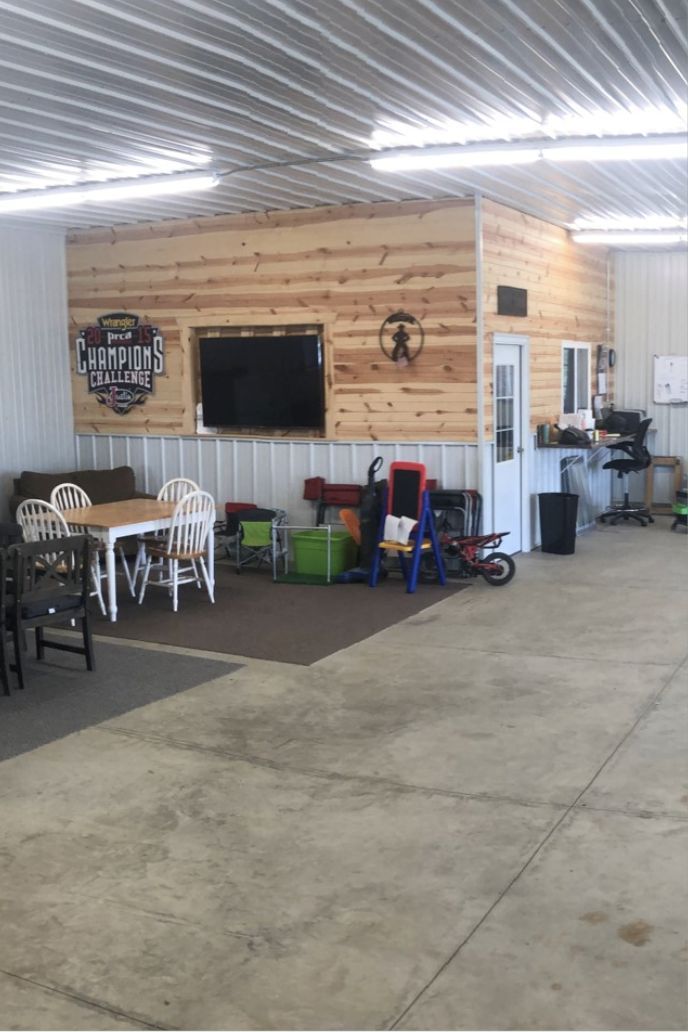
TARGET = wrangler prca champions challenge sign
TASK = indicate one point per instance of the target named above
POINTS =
(121, 357)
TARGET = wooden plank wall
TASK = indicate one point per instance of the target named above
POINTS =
(567, 300)
(343, 268)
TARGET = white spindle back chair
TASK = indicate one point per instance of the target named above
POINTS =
(41, 521)
(186, 542)
(171, 491)
(71, 496)
(175, 489)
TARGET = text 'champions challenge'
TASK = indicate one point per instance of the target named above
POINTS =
(121, 356)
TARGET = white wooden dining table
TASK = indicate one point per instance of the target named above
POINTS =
(114, 520)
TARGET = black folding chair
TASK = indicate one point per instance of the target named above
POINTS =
(50, 586)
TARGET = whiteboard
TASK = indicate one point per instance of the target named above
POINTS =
(671, 379)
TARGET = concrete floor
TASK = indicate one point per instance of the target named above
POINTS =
(476, 819)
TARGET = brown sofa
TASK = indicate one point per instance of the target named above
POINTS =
(101, 485)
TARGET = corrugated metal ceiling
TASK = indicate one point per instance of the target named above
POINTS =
(122, 87)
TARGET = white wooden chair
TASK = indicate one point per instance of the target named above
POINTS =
(41, 521)
(71, 496)
(171, 491)
(185, 543)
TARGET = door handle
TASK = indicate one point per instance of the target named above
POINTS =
(520, 451)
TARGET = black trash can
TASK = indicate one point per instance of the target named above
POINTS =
(558, 515)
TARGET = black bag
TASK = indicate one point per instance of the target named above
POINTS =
(573, 436)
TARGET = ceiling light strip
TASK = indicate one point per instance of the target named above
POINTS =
(619, 223)
(103, 193)
(623, 148)
(632, 237)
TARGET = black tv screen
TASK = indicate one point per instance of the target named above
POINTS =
(262, 381)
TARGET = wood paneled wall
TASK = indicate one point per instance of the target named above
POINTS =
(343, 268)
(568, 299)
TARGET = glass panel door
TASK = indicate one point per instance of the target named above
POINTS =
(507, 452)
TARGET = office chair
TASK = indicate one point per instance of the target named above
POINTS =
(638, 458)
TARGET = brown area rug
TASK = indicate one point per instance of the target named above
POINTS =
(252, 616)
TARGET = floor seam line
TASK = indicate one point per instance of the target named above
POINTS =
(557, 824)
(71, 994)
(258, 761)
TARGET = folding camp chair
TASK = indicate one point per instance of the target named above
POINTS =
(253, 530)
(407, 496)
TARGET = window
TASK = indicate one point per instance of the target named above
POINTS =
(504, 412)
(575, 377)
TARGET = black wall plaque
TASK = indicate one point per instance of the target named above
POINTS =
(512, 301)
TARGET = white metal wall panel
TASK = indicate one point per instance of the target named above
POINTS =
(585, 478)
(272, 472)
(652, 319)
(35, 388)
(268, 472)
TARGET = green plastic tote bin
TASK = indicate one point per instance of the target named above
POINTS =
(310, 552)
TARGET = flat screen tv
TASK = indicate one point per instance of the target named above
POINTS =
(253, 382)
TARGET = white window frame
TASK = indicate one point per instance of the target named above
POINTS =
(576, 346)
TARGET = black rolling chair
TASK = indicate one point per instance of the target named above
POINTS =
(637, 459)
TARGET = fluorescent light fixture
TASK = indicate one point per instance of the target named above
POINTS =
(632, 238)
(102, 193)
(463, 158)
(637, 121)
(624, 149)
(622, 222)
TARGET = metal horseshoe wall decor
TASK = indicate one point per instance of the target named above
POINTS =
(401, 338)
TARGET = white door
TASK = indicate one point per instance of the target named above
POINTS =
(508, 449)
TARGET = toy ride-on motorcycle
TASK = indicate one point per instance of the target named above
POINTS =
(475, 556)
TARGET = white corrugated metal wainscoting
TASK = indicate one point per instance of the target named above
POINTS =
(35, 388)
(269, 472)
(575, 470)
(583, 475)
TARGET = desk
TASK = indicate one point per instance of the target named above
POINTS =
(604, 442)
(593, 446)
(122, 519)
(580, 469)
